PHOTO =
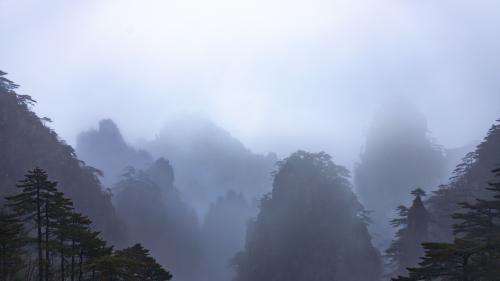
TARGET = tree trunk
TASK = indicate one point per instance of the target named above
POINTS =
(465, 270)
(39, 228)
(47, 252)
(72, 259)
(80, 265)
(3, 275)
(62, 257)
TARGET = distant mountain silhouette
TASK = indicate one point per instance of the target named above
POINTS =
(209, 162)
(106, 149)
(155, 215)
(399, 156)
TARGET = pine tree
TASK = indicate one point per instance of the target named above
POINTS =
(470, 181)
(413, 223)
(79, 229)
(143, 266)
(29, 206)
(26, 141)
(130, 264)
(95, 251)
(91, 246)
(475, 252)
(56, 208)
(12, 242)
(61, 213)
(111, 268)
(59, 228)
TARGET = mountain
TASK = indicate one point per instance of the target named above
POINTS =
(106, 149)
(223, 234)
(209, 164)
(398, 157)
(310, 227)
(454, 156)
(209, 161)
(156, 216)
(469, 182)
(27, 142)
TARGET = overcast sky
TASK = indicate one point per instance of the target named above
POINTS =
(277, 74)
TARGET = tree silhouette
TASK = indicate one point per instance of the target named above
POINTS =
(475, 252)
(413, 224)
(470, 181)
(29, 206)
(62, 232)
(26, 142)
(12, 242)
(142, 266)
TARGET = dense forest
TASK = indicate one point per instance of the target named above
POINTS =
(194, 204)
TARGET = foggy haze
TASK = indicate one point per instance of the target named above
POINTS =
(229, 140)
(278, 75)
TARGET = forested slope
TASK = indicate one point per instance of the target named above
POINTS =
(26, 142)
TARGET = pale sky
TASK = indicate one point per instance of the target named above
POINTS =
(277, 74)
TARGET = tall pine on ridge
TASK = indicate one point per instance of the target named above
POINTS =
(30, 205)
(475, 252)
(413, 224)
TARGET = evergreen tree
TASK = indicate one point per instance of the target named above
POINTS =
(130, 264)
(143, 266)
(60, 229)
(95, 251)
(111, 268)
(63, 208)
(413, 224)
(29, 206)
(26, 142)
(475, 252)
(79, 229)
(12, 242)
(470, 181)
(56, 208)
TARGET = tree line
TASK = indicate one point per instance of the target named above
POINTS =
(474, 253)
(43, 238)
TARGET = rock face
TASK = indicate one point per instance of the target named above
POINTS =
(26, 142)
(398, 157)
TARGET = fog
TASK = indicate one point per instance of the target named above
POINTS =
(215, 131)
(278, 75)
